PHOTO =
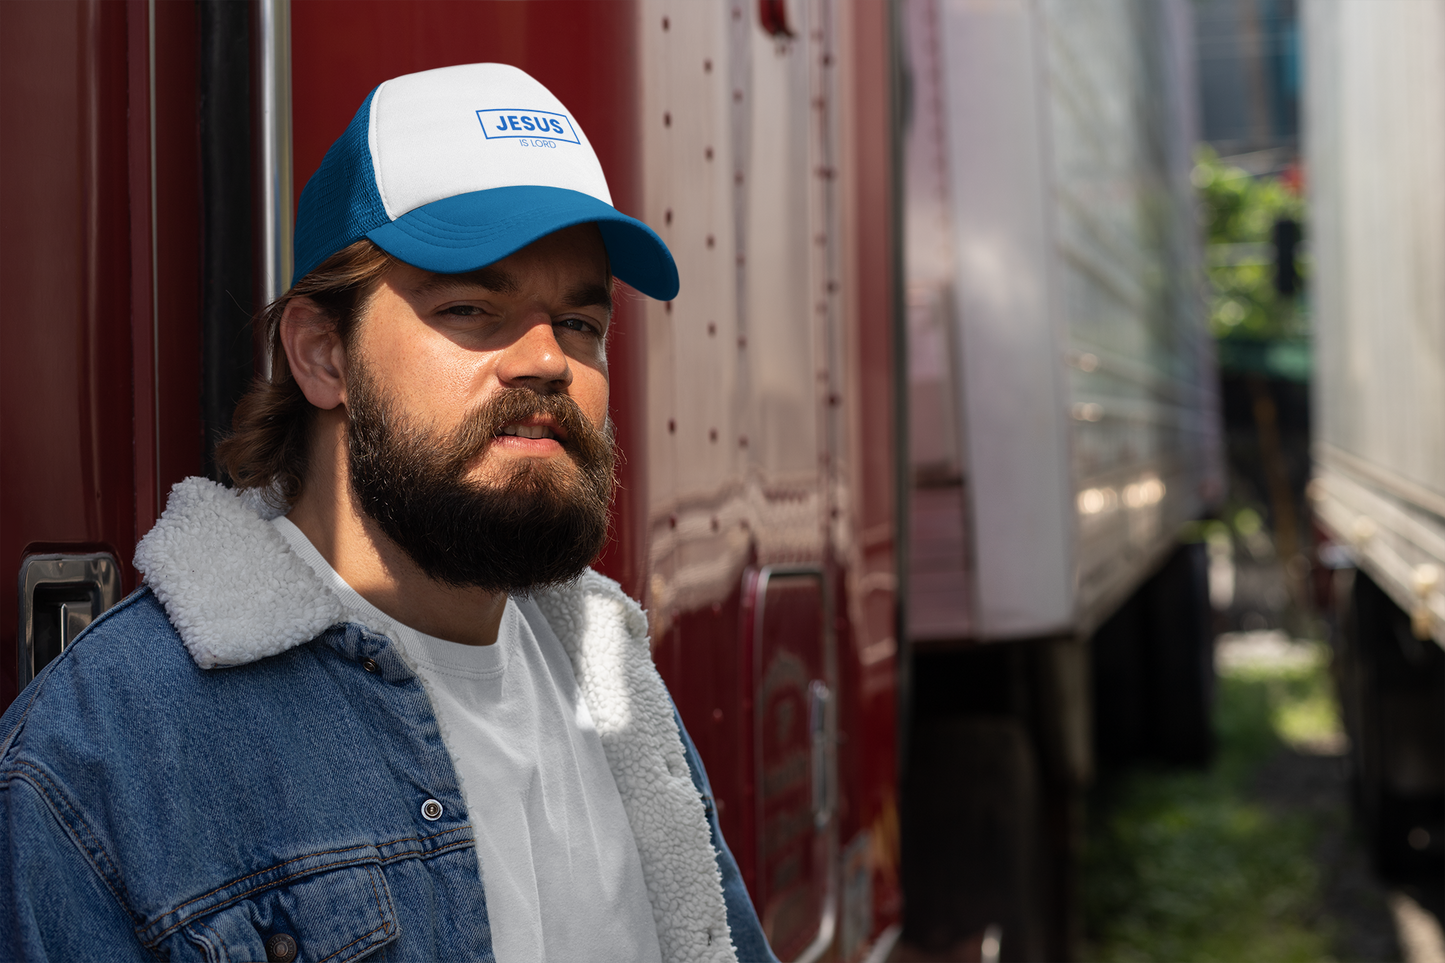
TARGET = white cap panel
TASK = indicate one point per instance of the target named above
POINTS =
(474, 127)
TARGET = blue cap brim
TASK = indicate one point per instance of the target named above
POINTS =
(470, 231)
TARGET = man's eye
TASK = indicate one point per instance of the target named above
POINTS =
(576, 324)
(463, 310)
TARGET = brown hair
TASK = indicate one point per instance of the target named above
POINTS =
(270, 433)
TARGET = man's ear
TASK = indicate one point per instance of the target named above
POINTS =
(315, 353)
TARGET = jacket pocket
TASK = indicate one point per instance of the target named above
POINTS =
(333, 915)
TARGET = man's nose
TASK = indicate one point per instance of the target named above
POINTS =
(535, 359)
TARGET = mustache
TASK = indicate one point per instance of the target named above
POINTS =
(587, 444)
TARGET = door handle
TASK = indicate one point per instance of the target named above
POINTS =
(59, 596)
(818, 699)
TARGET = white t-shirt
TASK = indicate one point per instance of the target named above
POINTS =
(558, 860)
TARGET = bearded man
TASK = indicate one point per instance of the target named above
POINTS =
(373, 700)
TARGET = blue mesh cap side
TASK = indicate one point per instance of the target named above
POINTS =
(340, 203)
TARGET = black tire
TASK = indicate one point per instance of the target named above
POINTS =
(1392, 687)
(1153, 666)
(1181, 653)
(989, 814)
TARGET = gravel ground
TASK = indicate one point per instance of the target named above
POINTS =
(1355, 902)
(1309, 781)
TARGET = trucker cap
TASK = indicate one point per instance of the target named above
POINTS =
(455, 168)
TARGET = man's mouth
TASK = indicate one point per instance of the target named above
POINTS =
(531, 431)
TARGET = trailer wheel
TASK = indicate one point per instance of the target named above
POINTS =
(1181, 659)
(1154, 669)
(972, 859)
(989, 812)
(1392, 686)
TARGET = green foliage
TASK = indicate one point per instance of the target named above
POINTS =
(1239, 212)
(1185, 866)
(1303, 711)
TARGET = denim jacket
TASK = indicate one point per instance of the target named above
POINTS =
(221, 769)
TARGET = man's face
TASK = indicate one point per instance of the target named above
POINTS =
(479, 440)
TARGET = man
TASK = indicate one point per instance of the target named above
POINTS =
(375, 700)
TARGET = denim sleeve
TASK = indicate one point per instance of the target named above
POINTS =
(53, 905)
(747, 930)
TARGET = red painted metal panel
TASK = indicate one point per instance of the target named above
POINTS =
(177, 159)
(164, 159)
(65, 416)
(584, 52)
(704, 657)
(145, 488)
(98, 415)
(847, 429)
(868, 656)
(791, 755)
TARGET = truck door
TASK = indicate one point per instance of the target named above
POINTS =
(794, 756)
(99, 370)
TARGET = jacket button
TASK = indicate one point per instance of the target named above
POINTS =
(370, 665)
(281, 948)
(431, 810)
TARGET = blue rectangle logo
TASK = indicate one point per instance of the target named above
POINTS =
(528, 124)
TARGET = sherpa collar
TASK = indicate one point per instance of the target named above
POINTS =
(237, 593)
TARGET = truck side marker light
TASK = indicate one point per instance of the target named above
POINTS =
(1093, 501)
(1427, 580)
(1149, 491)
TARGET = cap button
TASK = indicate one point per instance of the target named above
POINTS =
(431, 810)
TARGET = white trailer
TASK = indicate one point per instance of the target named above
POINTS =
(1375, 148)
(1062, 374)
(1375, 158)
(1064, 426)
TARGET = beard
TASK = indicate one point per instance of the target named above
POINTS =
(541, 523)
